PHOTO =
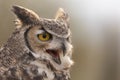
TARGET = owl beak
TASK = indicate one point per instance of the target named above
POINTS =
(55, 54)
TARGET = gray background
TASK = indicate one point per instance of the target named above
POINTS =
(95, 26)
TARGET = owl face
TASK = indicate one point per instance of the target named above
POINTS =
(47, 39)
(47, 45)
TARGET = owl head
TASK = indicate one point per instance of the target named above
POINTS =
(46, 39)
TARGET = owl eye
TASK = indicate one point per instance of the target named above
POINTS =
(44, 36)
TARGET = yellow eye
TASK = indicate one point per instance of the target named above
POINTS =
(44, 37)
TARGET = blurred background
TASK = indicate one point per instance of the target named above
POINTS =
(95, 26)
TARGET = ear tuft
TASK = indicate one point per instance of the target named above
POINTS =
(25, 15)
(62, 15)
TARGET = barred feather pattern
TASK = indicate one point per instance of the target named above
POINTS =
(23, 57)
(15, 64)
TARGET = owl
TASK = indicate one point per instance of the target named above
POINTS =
(38, 49)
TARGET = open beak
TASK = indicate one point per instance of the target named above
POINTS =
(55, 54)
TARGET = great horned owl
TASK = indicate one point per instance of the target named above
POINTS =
(38, 49)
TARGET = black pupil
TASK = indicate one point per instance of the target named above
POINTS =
(44, 35)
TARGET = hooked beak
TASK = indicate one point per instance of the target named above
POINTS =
(55, 55)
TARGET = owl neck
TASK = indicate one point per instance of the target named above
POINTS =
(50, 73)
(14, 48)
